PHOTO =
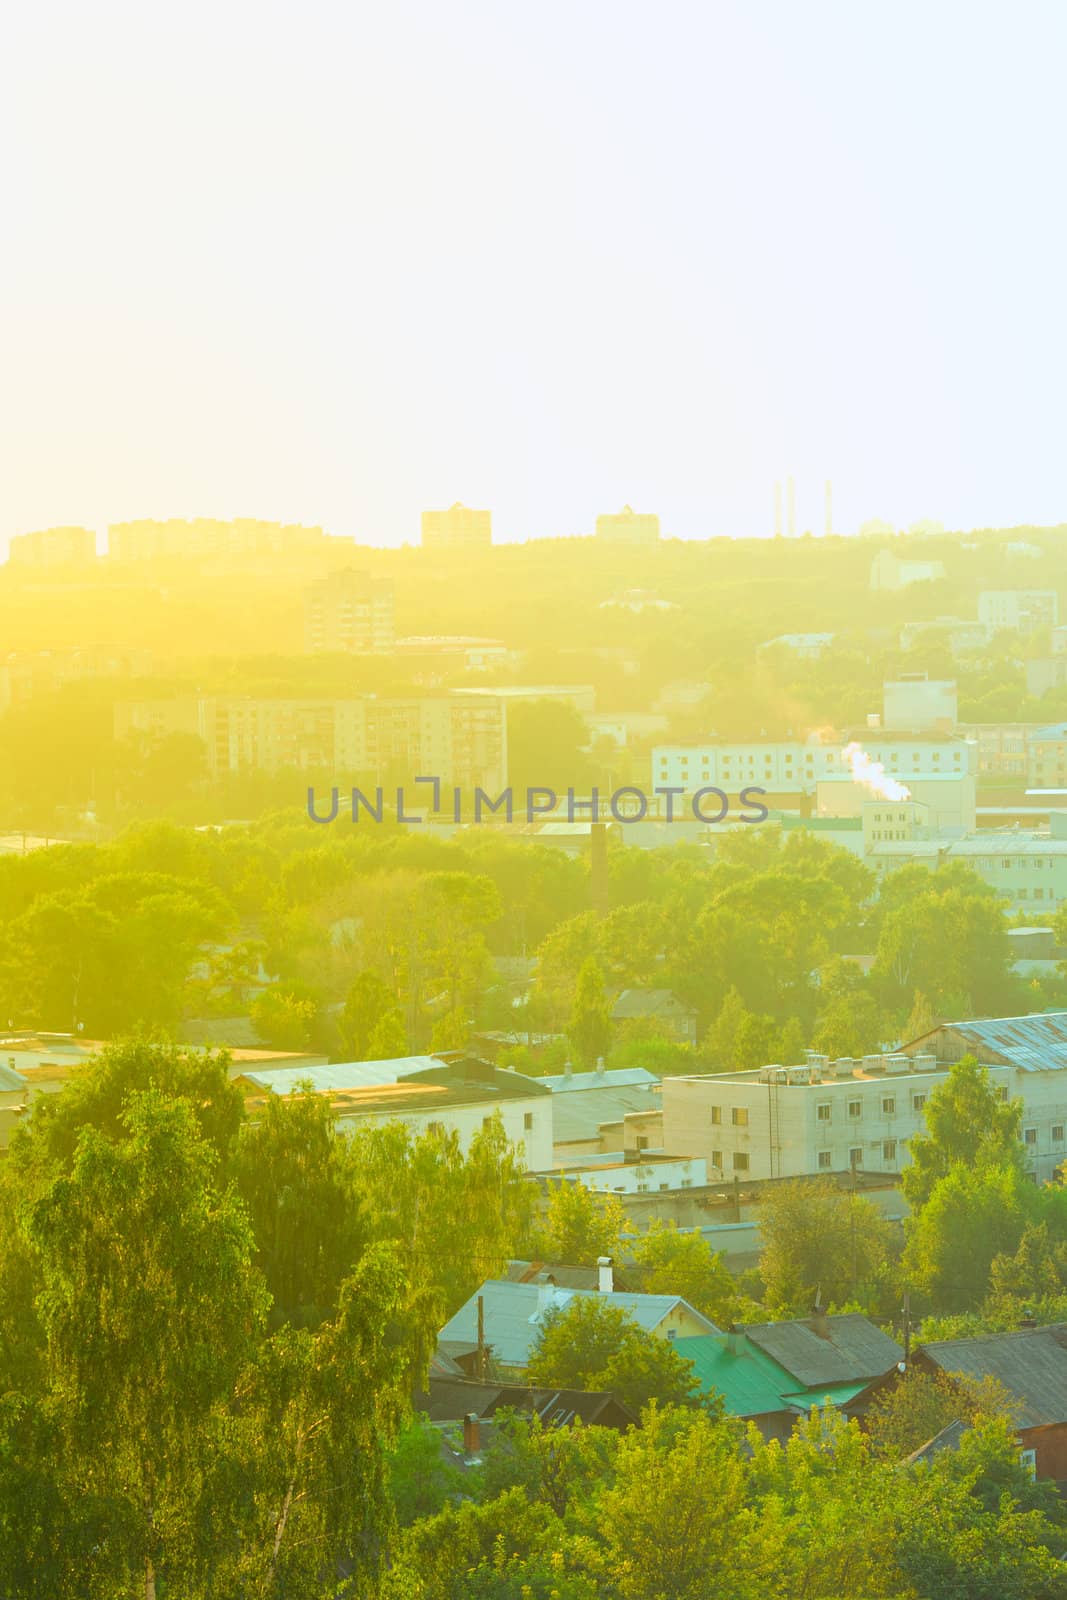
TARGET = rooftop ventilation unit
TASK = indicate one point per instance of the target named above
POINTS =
(799, 1074)
(873, 1064)
(898, 1063)
(844, 1066)
(925, 1062)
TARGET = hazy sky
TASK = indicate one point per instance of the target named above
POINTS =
(337, 262)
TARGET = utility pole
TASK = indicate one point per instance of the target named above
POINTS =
(906, 1313)
(481, 1338)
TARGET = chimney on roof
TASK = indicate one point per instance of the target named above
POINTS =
(820, 1322)
(733, 1339)
(472, 1434)
(600, 1066)
(605, 1275)
(568, 1069)
(1027, 1320)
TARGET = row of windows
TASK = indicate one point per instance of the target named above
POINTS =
(1030, 1134)
(824, 1108)
(740, 1159)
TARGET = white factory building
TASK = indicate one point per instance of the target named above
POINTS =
(797, 766)
(832, 1116)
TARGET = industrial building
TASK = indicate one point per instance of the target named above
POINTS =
(826, 1116)
(459, 738)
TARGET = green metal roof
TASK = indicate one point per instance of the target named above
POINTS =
(749, 1382)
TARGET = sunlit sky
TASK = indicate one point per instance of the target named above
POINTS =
(333, 263)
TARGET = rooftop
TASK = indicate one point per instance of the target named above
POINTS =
(1033, 1043)
(513, 1313)
(1031, 1363)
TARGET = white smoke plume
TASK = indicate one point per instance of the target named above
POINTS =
(872, 774)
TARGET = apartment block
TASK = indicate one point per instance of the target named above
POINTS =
(890, 572)
(1020, 610)
(460, 739)
(1028, 870)
(348, 612)
(458, 528)
(180, 538)
(1047, 757)
(52, 547)
(628, 527)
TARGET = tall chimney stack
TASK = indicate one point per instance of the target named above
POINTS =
(829, 508)
(778, 509)
(792, 499)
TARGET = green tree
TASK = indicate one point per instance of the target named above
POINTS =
(388, 1039)
(819, 1240)
(672, 1262)
(366, 1004)
(579, 1225)
(592, 1344)
(972, 1215)
(906, 1415)
(150, 1307)
(675, 1523)
(967, 1123)
(589, 1029)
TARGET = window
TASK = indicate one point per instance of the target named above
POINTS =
(822, 1111)
(1029, 1136)
(672, 1333)
(487, 1122)
(855, 1108)
(1057, 1133)
(855, 1156)
(641, 1141)
(739, 1116)
(824, 1160)
(716, 1158)
(918, 1101)
(889, 1105)
(1002, 1094)
(527, 1121)
(740, 1161)
(1028, 1459)
(716, 1116)
(889, 1149)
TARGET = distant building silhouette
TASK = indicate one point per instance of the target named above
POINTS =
(628, 527)
(458, 528)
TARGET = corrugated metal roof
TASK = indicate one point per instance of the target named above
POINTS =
(617, 1078)
(749, 1382)
(513, 1312)
(852, 1351)
(1034, 1043)
(1031, 1363)
(342, 1074)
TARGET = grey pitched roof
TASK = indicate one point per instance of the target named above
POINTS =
(853, 1350)
(1034, 1043)
(449, 1400)
(948, 1439)
(513, 1312)
(1031, 1363)
(649, 1003)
